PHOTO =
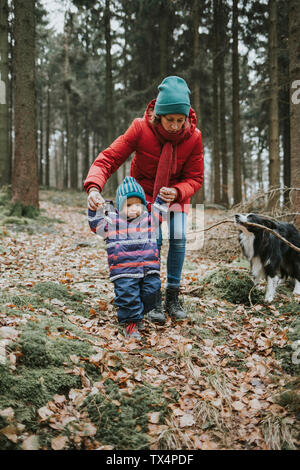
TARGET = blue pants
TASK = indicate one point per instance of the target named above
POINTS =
(177, 242)
(134, 297)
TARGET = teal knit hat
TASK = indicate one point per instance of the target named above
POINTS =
(129, 188)
(173, 97)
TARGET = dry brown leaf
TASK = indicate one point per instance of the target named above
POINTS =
(153, 417)
(255, 404)
(31, 443)
(186, 420)
(10, 432)
(44, 413)
(237, 405)
(59, 442)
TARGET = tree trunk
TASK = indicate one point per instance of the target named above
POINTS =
(294, 53)
(274, 163)
(216, 151)
(236, 130)
(286, 155)
(5, 160)
(41, 138)
(224, 156)
(25, 167)
(198, 198)
(112, 183)
(163, 40)
(67, 92)
(48, 137)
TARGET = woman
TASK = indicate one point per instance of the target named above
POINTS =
(168, 158)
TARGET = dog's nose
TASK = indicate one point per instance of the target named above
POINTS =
(237, 217)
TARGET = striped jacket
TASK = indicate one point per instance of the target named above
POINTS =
(131, 244)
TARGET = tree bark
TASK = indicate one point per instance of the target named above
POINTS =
(163, 40)
(67, 91)
(274, 162)
(5, 160)
(198, 198)
(48, 117)
(294, 53)
(236, 130)
(112, 184)
(224, 156)
(25, 167)
(216, 149)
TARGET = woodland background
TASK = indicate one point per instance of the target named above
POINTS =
(66, 95)
(228, 376)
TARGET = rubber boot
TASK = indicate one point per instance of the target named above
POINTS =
(157, 315)
(172, 305)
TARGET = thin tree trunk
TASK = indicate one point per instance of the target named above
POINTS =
(41, 138)
(294, 54)
(224, 155)
(163, 40)
(25, 168)
(274, 162)
(236, 130)
(48, 117)
(5, 161)
(216, 150)
(67, 92)
(198, 198)
(112, 184)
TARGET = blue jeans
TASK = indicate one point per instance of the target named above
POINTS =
(134, 297)
(177, 242)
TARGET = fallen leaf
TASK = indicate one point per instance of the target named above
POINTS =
(31, 443)
(59, 442)
(10, 432)
(153, 417)
(186, 420)
(238, 405)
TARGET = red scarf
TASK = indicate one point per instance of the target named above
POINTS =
(167, 165)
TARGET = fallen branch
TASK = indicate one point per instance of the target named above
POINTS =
(250, 224)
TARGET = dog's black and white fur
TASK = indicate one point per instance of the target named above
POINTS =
(270, 258)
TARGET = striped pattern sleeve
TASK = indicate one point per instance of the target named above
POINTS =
(97, 222)
(159, 211)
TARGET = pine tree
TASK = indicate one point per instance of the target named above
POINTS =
(236, 130)
(5, 161)
(294, 51)
(274, 163)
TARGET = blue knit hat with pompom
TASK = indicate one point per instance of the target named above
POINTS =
(129, 188)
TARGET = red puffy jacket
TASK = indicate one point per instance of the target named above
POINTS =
(140, 138)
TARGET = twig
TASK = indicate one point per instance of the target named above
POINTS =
(250, 224)
(215, 225)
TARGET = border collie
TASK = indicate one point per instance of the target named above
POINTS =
(270, 258)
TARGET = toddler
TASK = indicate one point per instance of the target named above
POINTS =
(130, 233)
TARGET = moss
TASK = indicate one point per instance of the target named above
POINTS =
(288, 356)
(54, 290)
(125, 426)
(233, 286)
(40, 349)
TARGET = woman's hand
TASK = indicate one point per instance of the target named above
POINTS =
(168, 194)
(95, 199)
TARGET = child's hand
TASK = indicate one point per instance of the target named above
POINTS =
(168, 194)
(95, 199)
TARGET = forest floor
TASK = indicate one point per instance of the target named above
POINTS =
(227, 377)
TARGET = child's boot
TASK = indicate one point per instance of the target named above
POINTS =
(156, 315)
